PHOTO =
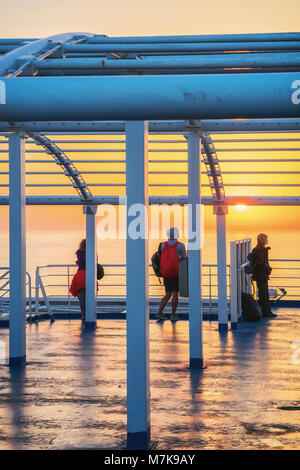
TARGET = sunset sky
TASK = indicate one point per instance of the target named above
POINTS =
(40, 18)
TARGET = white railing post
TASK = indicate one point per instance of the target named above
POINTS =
(248, 276)
(243, 261)
(239, 278)
(17, 250)
(137, 289)
(91, 266)
(37, 291)
(221, 212)
(29, 295)
(233, 287)
(46, 300)
(194, 251)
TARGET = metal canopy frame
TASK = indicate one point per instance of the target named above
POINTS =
(199, 87)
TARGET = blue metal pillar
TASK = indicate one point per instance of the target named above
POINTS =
(137, 300)
(91, 266)
(17, 251)
(221, 212)
(194, 251)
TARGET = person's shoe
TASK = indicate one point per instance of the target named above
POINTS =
(174, 317)
(161, 316)
(270, 315)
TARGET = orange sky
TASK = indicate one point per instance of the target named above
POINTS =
(36, 18)
(72, 218)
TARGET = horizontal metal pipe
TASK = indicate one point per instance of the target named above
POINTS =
(116, 200)
(240, 185)
(73, 161)
(259, 172)
(196, 38)
(99, 39)
(258, 140)
(84, 150)
(262, 149)
(161, 173)
(185, 47)
(265, 160)
(15, 41)
(248, 160)
(99, 161)
(229, 141)
(113, 141)
(165, 150)
(150, 97)
(4, 48)
(161, 71)
(174, 141)
(166, 127)
(285, 261)
(273, 59)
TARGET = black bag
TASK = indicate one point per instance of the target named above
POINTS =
(250, 309)
(100, 271)
(249, 266)
(155, 261)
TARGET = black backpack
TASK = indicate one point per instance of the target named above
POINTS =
(249, 266)
(155, 261)
(100, 271)
(250, 309)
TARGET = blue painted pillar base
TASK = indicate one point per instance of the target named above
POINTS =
(89, 325)
(138, 440)
(17, 361)
(234, 326)
(223, 327)
(196, 363)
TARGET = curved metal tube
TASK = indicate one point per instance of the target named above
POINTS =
(61, 159)
(213, 168)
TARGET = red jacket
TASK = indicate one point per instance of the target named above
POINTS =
(78, 282)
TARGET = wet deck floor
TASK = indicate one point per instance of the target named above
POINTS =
(72, 393)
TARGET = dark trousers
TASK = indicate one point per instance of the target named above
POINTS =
(263, 295)
(81, 298)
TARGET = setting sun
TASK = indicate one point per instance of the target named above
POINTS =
(240, 207)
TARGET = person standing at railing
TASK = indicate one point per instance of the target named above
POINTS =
(77, 288)
(261, 273)
(172, 251)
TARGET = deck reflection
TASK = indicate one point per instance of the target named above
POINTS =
(72, 393)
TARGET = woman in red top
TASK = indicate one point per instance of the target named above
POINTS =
(77, 288)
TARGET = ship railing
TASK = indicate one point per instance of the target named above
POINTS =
(5, 292)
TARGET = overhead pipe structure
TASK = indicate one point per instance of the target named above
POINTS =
(151, 97)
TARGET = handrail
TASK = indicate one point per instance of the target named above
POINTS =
(6, 291)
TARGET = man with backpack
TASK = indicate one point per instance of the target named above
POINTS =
(261, 273)
(171, 253)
